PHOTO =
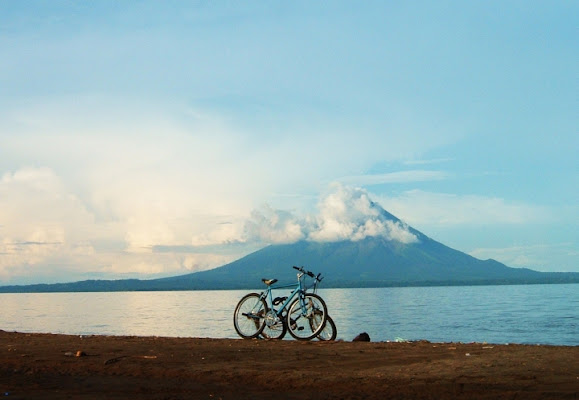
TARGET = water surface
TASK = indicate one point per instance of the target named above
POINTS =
(546, 314)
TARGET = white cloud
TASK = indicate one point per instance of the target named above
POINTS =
(33, 205)
(348, 213)
(40, 220)
(273, 226)
(126, 175)
(344, 213)
(47, 229)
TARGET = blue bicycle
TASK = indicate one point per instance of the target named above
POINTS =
(301, 313)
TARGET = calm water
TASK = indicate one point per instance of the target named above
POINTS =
(547, 314)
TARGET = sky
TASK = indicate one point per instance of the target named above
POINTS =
(141, 139)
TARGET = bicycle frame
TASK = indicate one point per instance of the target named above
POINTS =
(299, 288)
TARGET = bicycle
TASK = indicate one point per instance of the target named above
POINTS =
(305, 317)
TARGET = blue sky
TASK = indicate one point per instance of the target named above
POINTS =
(145, 139)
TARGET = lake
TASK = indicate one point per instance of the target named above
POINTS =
(530, 314)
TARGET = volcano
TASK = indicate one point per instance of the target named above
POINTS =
(372, 261)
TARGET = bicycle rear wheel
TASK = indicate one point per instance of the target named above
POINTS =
(249, 316)
(275, 327)
(307, 316)
(329, 332)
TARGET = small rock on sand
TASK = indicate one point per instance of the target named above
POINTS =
(362, 337)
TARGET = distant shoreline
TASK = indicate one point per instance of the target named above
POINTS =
(137, 285)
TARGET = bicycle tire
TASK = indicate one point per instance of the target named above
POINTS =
(249, 316)
(329, 332)
(275, 326)
(305, 326)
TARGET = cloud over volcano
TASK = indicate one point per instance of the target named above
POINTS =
(344, 213)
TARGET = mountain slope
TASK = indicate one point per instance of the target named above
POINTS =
(369, 262)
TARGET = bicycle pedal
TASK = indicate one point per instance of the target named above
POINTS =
(301, 328)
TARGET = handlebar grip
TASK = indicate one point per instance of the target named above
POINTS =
(294, 267)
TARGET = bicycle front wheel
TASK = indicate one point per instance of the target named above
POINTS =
(249, 316)
(307, 316)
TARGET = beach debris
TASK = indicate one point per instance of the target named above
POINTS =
(114, 360)
(401, 340)
(117, 359)
(362, 337)
(78, 353)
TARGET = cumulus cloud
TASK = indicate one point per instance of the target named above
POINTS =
(274, 226)
(344, 213)
(47, 231)
(348, 213)
(33, 207)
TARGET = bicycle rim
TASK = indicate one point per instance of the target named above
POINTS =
(305, 320)
(329, 332)
(249, 316)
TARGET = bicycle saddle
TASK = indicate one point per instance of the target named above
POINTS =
(269, 282)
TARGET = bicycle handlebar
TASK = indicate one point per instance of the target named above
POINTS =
(308, 273)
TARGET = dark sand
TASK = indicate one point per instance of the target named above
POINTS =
(45, 366)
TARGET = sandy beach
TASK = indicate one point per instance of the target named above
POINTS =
(48, 366)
